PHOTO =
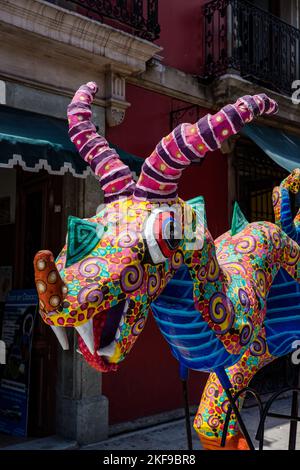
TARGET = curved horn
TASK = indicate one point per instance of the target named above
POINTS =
(115, 177)
(190, 142)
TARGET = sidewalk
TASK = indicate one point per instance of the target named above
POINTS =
(172, 436)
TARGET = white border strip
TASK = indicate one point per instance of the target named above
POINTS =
(43, 164)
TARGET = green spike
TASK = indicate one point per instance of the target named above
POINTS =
(83, 236)
(239, 221)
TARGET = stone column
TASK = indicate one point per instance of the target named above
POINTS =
(82, 410)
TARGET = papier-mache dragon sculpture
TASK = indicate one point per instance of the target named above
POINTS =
(280, 336)
(116, 264)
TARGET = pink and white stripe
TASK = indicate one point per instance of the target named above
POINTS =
(189, 142)
(115, 178)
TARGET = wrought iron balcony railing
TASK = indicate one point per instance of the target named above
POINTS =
(259, 46)
(138, 17)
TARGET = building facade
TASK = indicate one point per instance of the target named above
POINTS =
(157, 63)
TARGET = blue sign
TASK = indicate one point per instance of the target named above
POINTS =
(17, 331)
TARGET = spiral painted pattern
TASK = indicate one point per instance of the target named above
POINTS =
(292, 255)
(258, 347)
(89, 267)
(275, 237)
(246, 244)
(212, 391)
(127, 239)
(138, 326)
(275, 196)
(222, 255)
(213, 422)
(132, 278)
(91, 293)
(201, 274)
(238, 378)
(154, 283)
(177, 260)
(244, 299)
(213, 270)
(221, 312)
(261, 283)
(225, 406)
(235, 269)
(246, 333)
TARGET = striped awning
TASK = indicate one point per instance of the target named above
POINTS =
(281, 146)
(37, 142)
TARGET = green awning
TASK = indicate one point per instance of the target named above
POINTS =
(281, 146)
(38, 142)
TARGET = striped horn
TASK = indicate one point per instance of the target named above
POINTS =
(115, 178)
(190, 142)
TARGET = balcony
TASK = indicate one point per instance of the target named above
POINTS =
(137, 17)
(243, 39)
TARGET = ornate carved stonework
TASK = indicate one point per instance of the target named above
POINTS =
(116, 103)
(69, 29)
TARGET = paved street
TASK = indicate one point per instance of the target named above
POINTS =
(169, 436)
(172, 436)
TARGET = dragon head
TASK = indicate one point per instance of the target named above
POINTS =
(110, 270)
(116, 263)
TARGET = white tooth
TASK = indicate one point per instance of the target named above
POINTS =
(124, 313)
(108, 350)
(61, 335)
(86, 333)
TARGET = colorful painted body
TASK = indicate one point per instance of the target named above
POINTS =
(281, 328)
(114, 265)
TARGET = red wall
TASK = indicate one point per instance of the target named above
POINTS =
(181, 34)
(147, 382)
(146, 122)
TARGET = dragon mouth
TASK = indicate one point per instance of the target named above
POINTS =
(97, 337)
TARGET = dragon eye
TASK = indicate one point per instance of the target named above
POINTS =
(163, 234)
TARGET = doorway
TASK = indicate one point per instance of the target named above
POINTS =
(38, 226)
(256, 176)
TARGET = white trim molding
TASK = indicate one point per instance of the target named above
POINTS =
(109, 45)
(42, 164)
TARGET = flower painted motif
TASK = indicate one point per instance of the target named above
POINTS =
(117, 263)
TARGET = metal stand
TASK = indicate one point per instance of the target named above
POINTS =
(229, 411)
(184, 375)
(233, 408)
(293, 425)
(264, 411)
(227, 386)
(293, 417)
(187, 415)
